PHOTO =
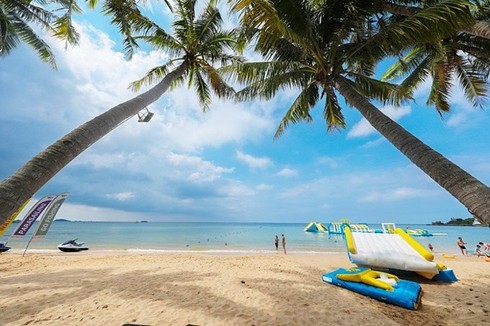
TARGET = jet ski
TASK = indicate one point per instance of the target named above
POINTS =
(3, 247)
(72, 246)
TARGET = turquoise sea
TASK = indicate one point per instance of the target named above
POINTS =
(220, 237)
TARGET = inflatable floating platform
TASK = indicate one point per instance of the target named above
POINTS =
(377, 285)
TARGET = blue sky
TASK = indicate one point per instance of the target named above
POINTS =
(222, 165)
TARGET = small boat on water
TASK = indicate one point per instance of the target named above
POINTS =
(72, 246)
(3, 247)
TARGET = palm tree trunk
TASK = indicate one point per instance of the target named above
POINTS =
(27, 180)
(468, 190)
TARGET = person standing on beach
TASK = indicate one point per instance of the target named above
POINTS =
(284, 243)
(462, 247)
(276, 242)
(478, 250)
(431, 248)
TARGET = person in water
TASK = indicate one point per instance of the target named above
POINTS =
(462, 246)
(276, 242)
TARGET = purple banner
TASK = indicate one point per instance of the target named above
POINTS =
(31, 216)
(49, 215)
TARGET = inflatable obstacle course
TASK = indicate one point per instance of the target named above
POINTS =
(396, 250)
(315, 227)
(338, 227)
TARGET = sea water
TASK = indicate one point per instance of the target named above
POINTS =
(222, 237)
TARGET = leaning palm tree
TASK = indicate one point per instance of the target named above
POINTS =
(16, 17)
(198, 42)
(329, 47)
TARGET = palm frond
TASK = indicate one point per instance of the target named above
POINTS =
(163, 41)
(266, 27)
(217, 83)
(127, 16)
(332, 111)
(202, 90)
(439, 93)
(209, 23)
(64, 26)
(426, 26)
(474, 84)
(405, 64)
(30, 13)
(267, 87)
(154, 75)
(28, 36)
(379, 90)
(300, 109)
(416, 77)
(250, 72)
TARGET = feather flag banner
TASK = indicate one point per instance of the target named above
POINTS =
(48, 217)
(31, 216)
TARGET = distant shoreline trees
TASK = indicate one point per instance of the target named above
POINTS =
(457, 222)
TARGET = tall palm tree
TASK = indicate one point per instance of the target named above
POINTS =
(16, 17)
(198, 43)
(329, 47)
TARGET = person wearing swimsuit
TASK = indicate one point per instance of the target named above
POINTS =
(462, 247)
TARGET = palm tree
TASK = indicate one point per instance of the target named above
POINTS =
(324, 47)
(198, 43)
(17, 15)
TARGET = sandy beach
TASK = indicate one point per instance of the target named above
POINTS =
(97, 288)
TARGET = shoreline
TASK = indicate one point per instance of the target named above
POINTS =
(174, 251)
(114, 288)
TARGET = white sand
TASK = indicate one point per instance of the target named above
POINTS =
(91, 288)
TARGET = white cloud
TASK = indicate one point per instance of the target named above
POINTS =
(287, 172)
(330, 162)
(122, 196)
(374, 143)
(200, 170)
(237, 190)
(184, 126)
(264, 186)
(398, 194)
(363, 128)
(99, 77)
(457, 119)
(103, 160)
(253, 162)
(463, 114)
(77, 212)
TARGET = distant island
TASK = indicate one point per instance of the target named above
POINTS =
(62, 220)
(457, 222)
